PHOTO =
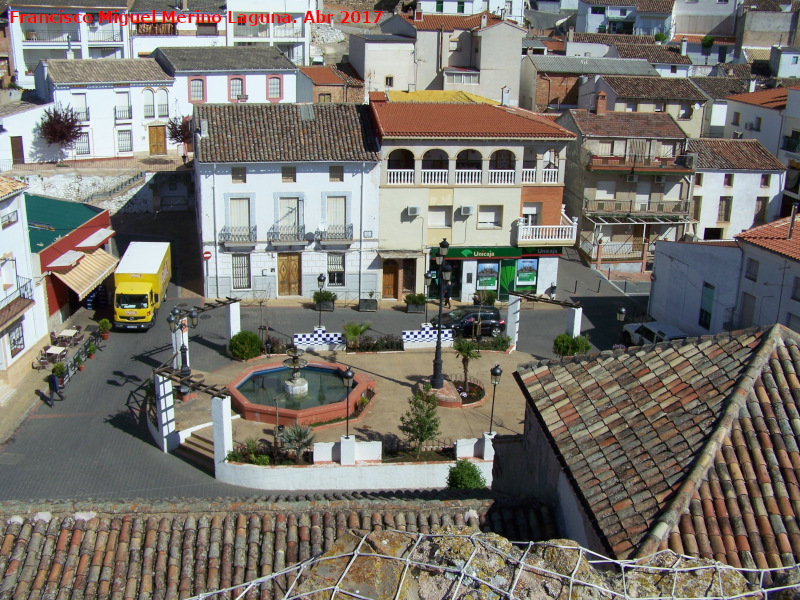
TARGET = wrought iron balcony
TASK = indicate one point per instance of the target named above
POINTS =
(238, 234)
(638, 163)
(82, 113)
(105, 35)
(52, 36)
(163, 110)
(149, 111)
(335, 233)
(15, 301)
(122, 113)
(670, 207)
(287, 233)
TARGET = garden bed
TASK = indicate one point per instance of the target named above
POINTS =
(444, 455)
(385, 343)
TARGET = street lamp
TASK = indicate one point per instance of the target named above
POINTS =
(347, 377)
(428, 279)
(176, 316)
(621, 312)
(445, 271)
(320, 285)
(495, 372)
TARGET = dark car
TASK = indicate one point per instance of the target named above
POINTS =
(462, 321)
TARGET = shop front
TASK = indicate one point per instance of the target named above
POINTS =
(499, 269)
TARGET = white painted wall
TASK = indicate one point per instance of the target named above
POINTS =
(784, 62)
(375, 61)
(186, 37)
(513, 8)
(769, 135)
(791, 123)
(772, 288)
(680, 269)
(23, 125)
(585, 49)
(666, 70)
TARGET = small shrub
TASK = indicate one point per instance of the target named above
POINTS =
(104, 325)
(414, 299)
(353, 332)
(566, 345)
(498, 344)
(59, 369)
(465, 476)
(277, 346)
(250, 451)
(324, 296)
(420, 422)
(707, 42)
(660, 36)
(245, 345)
(384, 343)
(486, 297)
(91, 349)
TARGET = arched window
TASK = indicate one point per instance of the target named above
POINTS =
(149, 104)
(197, 90)
(162, 102)
(401, 159)
(237, 87)
(434, 159)
(274, 88)
(502, 160)
(469, 160)
(551, 159)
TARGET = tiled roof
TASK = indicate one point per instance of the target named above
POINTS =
(188, 548)
(348, 74)
(285, 133)
(437, 22)
(775, 237)
(333, 75)
(579, 65)
(642, 6)
(222, 58)
(59, 218)
(655, 88)
(720, 87)
(719, 40)
(119, 70)
(637, 431)
(10, 186)
(426, 120)
(626, 124)
(439, 96)
(612, 38)
(754, 54)
(768, 5)
(732, 155)
(28, 101)
(774, 98)
(656, 53)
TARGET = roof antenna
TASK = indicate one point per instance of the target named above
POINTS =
(791, 223)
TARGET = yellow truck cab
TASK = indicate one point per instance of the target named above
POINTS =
(140, 283)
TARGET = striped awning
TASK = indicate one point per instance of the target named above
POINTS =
(89, 273)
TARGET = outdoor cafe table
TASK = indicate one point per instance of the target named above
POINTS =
(68, 333)
(54, 352)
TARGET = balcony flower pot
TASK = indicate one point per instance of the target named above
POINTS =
(104, 327)
(415, 303)
(324, 300)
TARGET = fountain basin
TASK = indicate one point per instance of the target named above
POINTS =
(262, 382)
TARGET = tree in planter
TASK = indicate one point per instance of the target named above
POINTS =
(179, 131)
(324, 296)
(353, 332)
(464, 475)
(60, 370)
(467, 350)
(298, 438)
(420, 422)
(60, 126)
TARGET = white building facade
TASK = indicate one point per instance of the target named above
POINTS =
(757, 115)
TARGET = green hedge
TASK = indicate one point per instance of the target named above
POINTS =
(245, 345)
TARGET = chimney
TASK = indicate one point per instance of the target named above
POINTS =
(484, 20)
(505, 96)
(684, 46)
(570, 33)
(184, 5)
(751, 85)
(418, 13)
(791, 222)
(600, 107)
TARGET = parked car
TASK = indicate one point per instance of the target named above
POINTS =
(462, 321)
(636, 334)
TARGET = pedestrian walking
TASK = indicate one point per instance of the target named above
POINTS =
(448, 291)
(55, 388)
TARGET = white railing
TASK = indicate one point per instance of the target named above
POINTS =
(549, 175)
(504, 177)
(469, 176)
(434, 176)
(528, 175)
(400, 176)
(548, 233)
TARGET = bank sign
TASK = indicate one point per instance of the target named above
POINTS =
(484, 253)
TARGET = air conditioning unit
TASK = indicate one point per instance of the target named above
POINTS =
(467, 210)
(660, 179)
(737, 135)
(414, 211)
(633, 178)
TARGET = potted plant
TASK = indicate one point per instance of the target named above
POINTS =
(91, 349)
(415, 303)
(104, 327)
(59, 370)
(368, 304)
(79, 362)
(324, 300)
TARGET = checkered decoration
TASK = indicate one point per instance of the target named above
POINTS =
(319, 340)
(426, 337)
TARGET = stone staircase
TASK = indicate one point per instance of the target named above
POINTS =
(199, 449)
(133, 178)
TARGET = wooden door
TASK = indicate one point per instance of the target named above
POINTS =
(158, 139)
(17, 153)
(390, 279)
(289, 274)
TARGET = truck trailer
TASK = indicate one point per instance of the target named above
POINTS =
(140, 284)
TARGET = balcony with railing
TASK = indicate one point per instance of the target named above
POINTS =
(122, 113)
(400, 176)
(82, 113)
(469, 176)
(149, 111)
(652, 206)
(287, 32)
(163, 110)
(51, 36)
(287, 234)
(626, 250)
(104, 35)
(335, 233)
(16, 300)
(501, 176)
(434, 176)
(238, 235)
(564, 234)
(251, 31)
(639, 163)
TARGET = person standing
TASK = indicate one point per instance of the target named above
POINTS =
(448, 291)
(55, 388)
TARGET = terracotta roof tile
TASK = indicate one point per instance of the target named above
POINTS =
(342, 74)
(647, 6)
(696, 39)
(720, 87)
(10, 186)
(657, 88)
(622, 124)
(656, 53)
(772, 98)
(123, 70)
(773, 236)
(746, 155)
(436, 22)
(612, 38)
(396, 119)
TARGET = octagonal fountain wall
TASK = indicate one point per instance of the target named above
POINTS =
(263, 383)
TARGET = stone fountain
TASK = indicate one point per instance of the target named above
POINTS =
(296, 385)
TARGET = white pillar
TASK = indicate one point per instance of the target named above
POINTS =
(222, 428)
(574, 321)
(488, 445)
(165, 413)
(512, 320)
(234, 319)
(347, 450)
(179, 337)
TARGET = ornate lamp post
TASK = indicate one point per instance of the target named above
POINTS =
(320, 285)
(347, 378)
(428, 279)
(445, 271)
(174, 320)
(495, 372)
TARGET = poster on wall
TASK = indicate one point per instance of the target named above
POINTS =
(487, 276)
(526, 271)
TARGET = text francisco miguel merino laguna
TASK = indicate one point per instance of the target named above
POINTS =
(171, 16)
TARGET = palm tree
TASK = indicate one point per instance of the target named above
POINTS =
(467, 349)
(353, 331)
(298, 438)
